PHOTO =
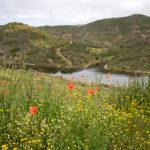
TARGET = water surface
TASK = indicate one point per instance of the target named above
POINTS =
(96, 74)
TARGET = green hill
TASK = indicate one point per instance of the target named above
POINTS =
(124, 42)
(121, 43)
(22, 44)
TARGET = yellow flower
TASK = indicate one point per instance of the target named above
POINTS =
(22, 140)
(15, 148)
(4, 146)
(48, 144)
(115, 114)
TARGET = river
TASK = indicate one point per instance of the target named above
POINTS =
(99, 74)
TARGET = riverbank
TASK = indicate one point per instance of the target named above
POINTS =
(125, 70)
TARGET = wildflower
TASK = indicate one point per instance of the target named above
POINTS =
(6, 92)
(21, 140)
(96, 89)
(115, 114)
(109, 74)
(106, 77)
(72, 77)
(82, 76)
(15, 148)
(48, 144)
(33, 110)
(4, 146)
(81, 107)
(4, 82)
(91, 91)
(71, 86)
(25, 138)
(38, 77)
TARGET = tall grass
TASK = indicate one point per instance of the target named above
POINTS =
(108, 119)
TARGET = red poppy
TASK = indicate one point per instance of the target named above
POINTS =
(109, 74)
(81, 107)
(106, 76)
(91, 91)
(33, 110)
(71, 86)
(82, 76)
(6, 92)
(96, 89)
(72, 77)
(4, 82)
(38, 77)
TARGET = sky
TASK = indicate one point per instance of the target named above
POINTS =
(68, 12)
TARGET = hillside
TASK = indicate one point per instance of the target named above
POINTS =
(22, 44)
(120, 43)
(124, 42)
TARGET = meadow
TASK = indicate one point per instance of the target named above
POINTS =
(38, 111)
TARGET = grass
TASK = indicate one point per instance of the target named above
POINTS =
(112, 118)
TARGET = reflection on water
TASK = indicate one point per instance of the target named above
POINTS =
(98, 74)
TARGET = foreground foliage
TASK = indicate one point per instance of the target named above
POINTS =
(38, 111)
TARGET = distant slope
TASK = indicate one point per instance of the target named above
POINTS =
(23, 44)
(124, 42)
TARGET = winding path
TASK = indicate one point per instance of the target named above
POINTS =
(68, 62)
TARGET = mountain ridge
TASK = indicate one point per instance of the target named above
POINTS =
(124, 41)
(121, 43)
(23, 44)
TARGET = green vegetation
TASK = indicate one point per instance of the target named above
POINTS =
(121, 43)
(39, 111)
(124, 42)
(22, 44)
(109, 118)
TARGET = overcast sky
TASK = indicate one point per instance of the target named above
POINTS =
(68, 12)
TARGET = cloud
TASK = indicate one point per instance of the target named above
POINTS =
(60, 12)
